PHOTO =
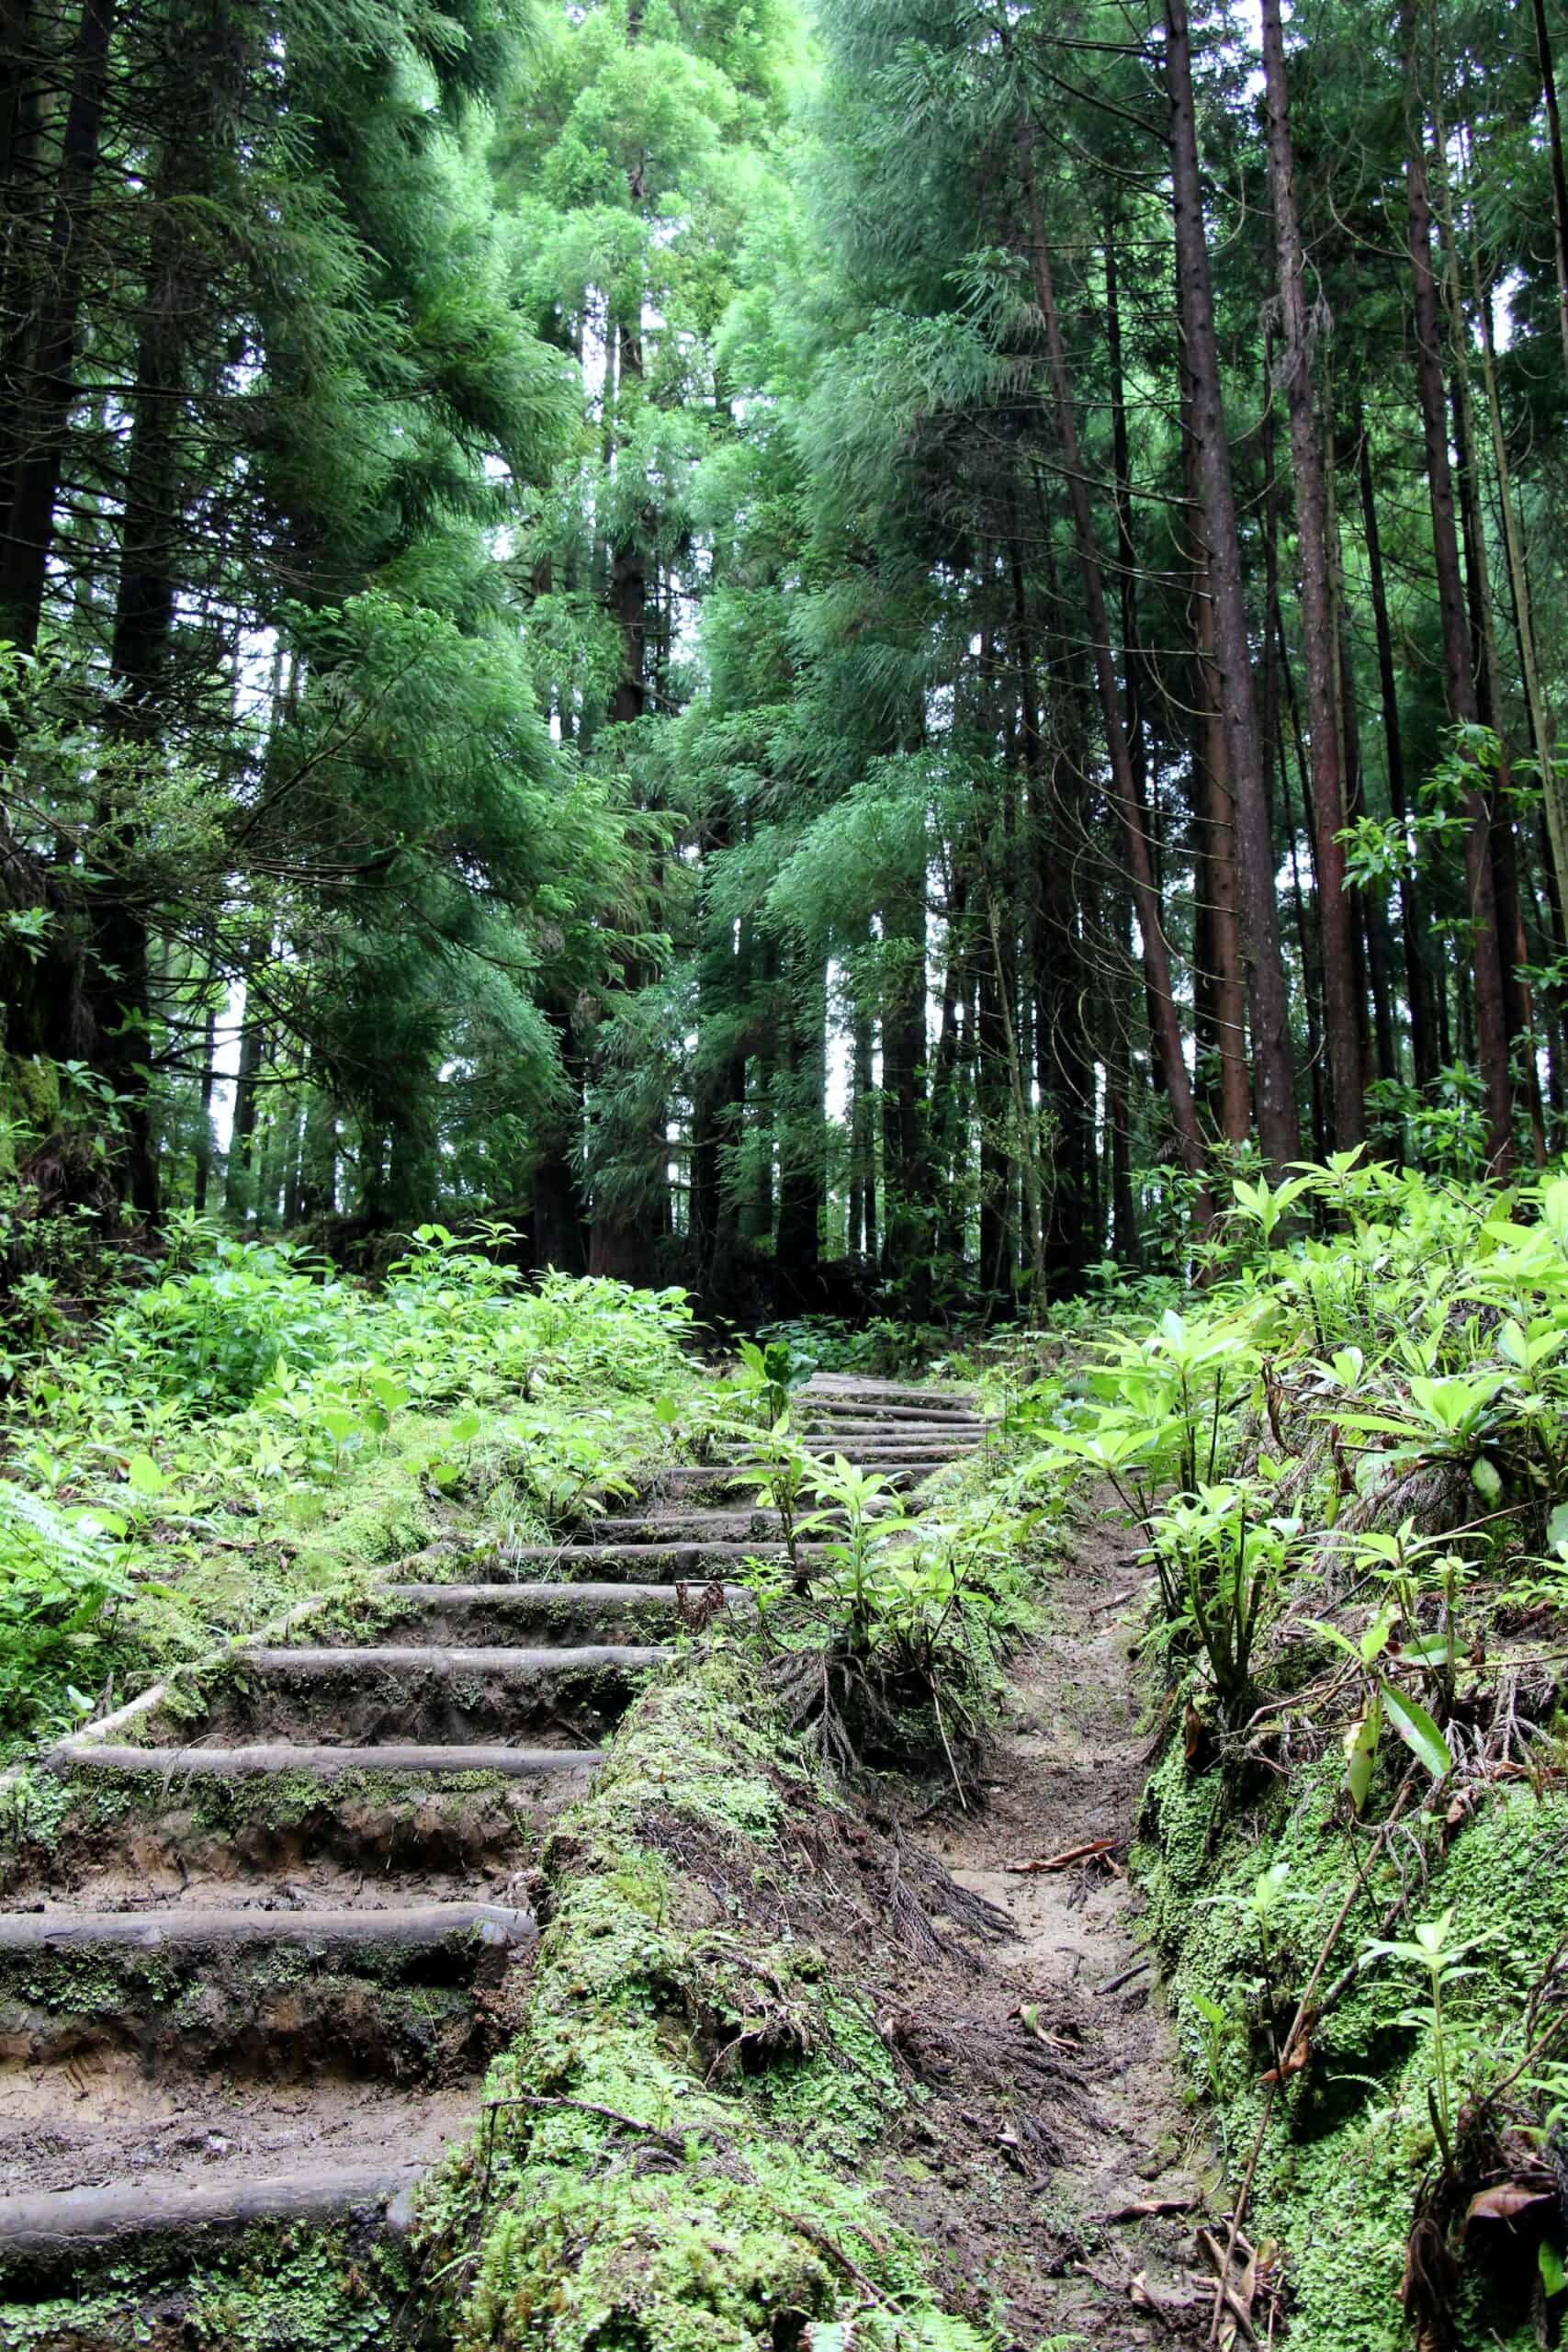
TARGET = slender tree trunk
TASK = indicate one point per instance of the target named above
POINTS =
(1218, 876)
(1306, 936)
(237, 1185)
(1491, 1017)
(907, 1204)
(46, 409)
(204, 1117)
(1542, 732)
(801, 1128)
(863, 1142)
(1335, 918)
(1559, 176)
(1168, 1032)
(1279, 1129)
(1417, 982)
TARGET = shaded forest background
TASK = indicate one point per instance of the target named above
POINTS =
(843, 654)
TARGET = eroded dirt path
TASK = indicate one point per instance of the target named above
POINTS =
(1067, 1775)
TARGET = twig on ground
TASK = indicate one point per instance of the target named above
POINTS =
(1086, 1852)
(1116, 1982)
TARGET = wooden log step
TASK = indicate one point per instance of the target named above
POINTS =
(410, 1927)
(846, 1385)
(864, 1409)
(458, 1609)
(429, 1759)
(679, 1561)
(49, 2234)
(431, 1658)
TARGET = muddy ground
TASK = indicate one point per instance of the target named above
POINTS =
(1060, 2114)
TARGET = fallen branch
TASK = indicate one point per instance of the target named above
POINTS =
(1148, 2209)
(1116, 1982)
(1086, 1852)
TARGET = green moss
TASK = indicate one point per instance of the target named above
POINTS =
(1349, 2146)
(683, 2151)
(272, 2291)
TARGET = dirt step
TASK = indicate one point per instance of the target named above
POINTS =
(861, 1408)
(410, 1994)
(849, 1386)
(726, 1477)
(823, 1420)
(895, 1455)
(402, 1692)
(51, 2238)
(671, 1524)
(420, 1759)
(480, 1611)
(652, 1562)
(289, 1838)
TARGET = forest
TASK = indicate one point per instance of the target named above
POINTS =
(783, 1176)
(842, 656)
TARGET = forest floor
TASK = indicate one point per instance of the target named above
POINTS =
(1101, 2251)
(1040, 2152)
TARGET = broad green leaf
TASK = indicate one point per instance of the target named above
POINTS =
(1485, 1478)
(1416, 1729)
(144, 1476)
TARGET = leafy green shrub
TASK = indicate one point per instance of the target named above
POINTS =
(214, 1335)
(60, 1582)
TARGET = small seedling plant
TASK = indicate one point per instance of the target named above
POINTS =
(1440, 1960)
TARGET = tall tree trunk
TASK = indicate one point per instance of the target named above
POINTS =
(1336, 917)
(801, 1128)
(1417, 980)
(994, 1106)
(1218, 876)
(237, 1185)
(629, 567)
(46, 407)
(863, 1141)
(1279, 1129)
(1559, 176)
(1156, 954)
(1491, 1016)
(1306, 936)
(906, 1203)
(138, 652)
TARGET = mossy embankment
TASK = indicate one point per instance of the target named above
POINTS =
(1343, 1463)
(680, 2151)
(1350, 2142)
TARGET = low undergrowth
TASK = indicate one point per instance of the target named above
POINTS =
(249, 1429)
(1347, 1458)
(680, 2152)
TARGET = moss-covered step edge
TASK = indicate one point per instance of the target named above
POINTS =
(460, 1820)
(1351, 2144)
(679, 2152)
(332, 2274)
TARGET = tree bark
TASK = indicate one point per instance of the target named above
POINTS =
(1559, 176)
(1412, 920)
(46, 408)
(1156, 954)
(1491, 1018)
(1278, 1129)
(1336, 915)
